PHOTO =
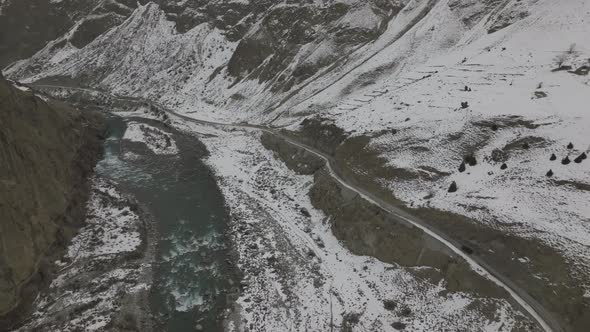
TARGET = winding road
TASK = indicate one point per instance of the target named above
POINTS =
(528, 304)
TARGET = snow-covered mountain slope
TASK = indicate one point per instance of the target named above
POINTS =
(520, 111)
(426, 82)
(210, 68)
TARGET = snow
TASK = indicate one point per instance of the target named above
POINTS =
(112, 228)
(363, 18)
(154, 138)
(421, 99)
(63, 53)
(265, 196)
(96, 272)
(411, 80)
(22, 87)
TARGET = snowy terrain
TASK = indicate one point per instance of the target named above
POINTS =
(300, 277)
(95, 279)
(506, 73)
(155, 139)
(498, 57)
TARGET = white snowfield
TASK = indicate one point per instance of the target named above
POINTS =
(325, 282)
(510, 74)
(118, 227)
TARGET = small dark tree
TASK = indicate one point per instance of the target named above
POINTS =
(504, 166)
(389, 305)
(550, 173)
(453, 187)
(584, 156)
(553, 157)
(526, 146)
(580, 158)
(406, 312)
(560, 60)
(462, 167)
(572, 49)
(565, 161)
(471, 160)
(570, 146)
(495, 127)
(464, 104)
(398, 325)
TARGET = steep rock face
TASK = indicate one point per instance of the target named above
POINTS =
(282, 40)
(47, 151)
(28, 25)
(253, 60)
(211, 51)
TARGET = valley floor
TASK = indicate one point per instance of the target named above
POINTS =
(298, 275)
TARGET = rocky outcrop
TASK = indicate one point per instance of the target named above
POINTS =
(27, 25)
(47, 152)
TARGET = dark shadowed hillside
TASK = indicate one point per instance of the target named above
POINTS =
(47, 152)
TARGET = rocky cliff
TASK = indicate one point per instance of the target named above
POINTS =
(47, 152)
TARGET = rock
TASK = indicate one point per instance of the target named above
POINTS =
(453, 188)
(499, 156)
(406, 312)
(540, 94)
(470, 159)
(462, 167)
(466, 249)
(565, 161)
(398, 325)
(389, 305)
(304, 212)
(198, 327)
(580, 158)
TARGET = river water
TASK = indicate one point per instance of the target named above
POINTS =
(193, 268)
